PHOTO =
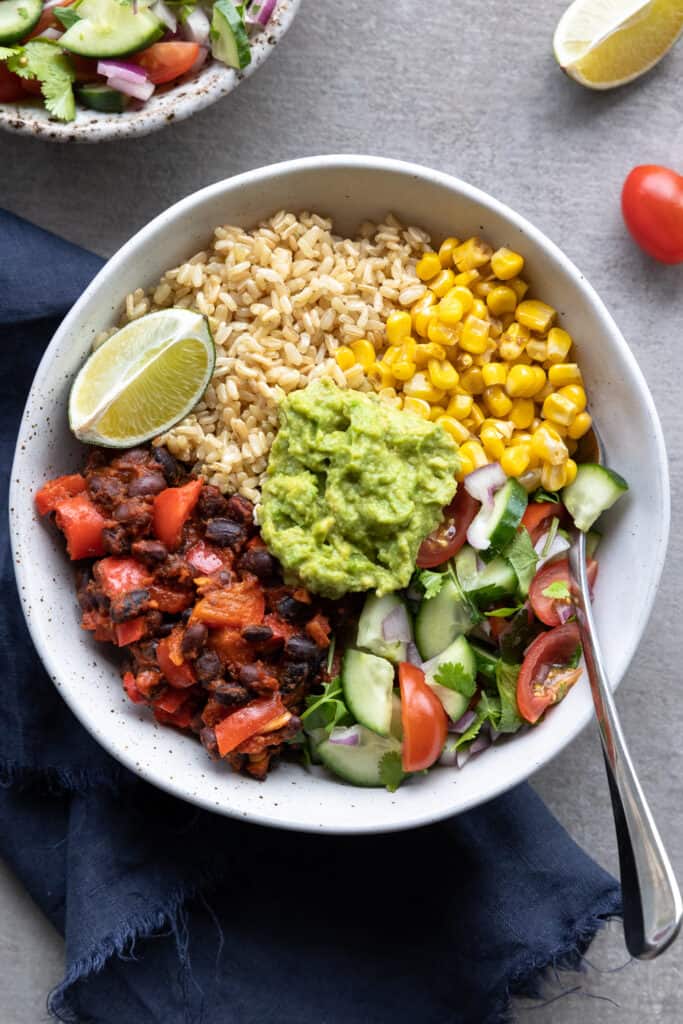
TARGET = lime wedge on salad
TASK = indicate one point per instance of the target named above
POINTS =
(604, 43)
(143, 379)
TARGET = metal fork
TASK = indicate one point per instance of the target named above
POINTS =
(651, 897)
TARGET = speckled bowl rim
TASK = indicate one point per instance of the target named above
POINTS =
(556, 736)
(192, 93)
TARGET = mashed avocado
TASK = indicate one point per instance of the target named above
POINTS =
(353, 487)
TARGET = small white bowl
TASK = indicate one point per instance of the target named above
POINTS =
(190, 94)
(350, 189)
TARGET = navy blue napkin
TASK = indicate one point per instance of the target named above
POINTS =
(173, 915)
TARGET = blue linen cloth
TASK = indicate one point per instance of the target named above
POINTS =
(171, 914)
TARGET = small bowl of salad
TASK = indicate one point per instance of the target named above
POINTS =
(89, 70)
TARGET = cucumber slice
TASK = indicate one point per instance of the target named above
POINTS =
(229, 39)
(496, 525)
(17, 18)
(593, 539)
(359, 765)
(486, 662)
(497, 578)
(458, 653)
(442, 618)
(102, 97)
(594, 490)
(110, 29)
(370, 635)
(368, 685)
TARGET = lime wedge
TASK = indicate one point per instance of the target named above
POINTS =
(143, 379)
(603, 43)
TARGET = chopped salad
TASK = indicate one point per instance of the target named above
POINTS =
(112, 55)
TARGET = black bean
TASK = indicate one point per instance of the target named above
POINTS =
(165, 629)
(185, 617)
(194, 639)
(211, 502)
(295, 673)
(207, 737)
(225, 533)
(115, 540)
(302, 648)
(147, 483)
(257, 634)
(230, 694)
(152, 552)
(258, 561)
(241, 509)
(225, 577)
(292, 610)
(169, 466)
(155, 621)
(250, 674)
(208, 666)
(129, 605)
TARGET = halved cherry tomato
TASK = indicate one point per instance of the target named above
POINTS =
(242, 724)
(538, 516)
(10, 86)
(165, 61)
(545, 607)
(82, 525)
(177, 671)
(54, 491)
(652, 205)
(545, 677)
(450, 535)
(172, 507)
(424, 721)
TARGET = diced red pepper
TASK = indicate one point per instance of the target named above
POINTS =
(181, 719)
(318, 628)
(54, 491)
(119, 576)
(168, 600)
(240, 604)
(204, 558)
(172, 508)
(247, 721)
(177, 671)
(82, 525)
(131, 689)
(229, 644)
(129, 632)
(171, 701)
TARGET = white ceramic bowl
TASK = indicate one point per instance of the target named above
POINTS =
(350, 189)
(190, 94)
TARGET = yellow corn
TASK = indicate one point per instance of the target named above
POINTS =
(507, 319)
(428, 267)
(536, 315)
(380, 375)
(553, 477)
(494, 373)
(547, 444)
(546, 390)
(537, 349)
(561, 374)
(463, 361)
(391, 354)
(364, 351)
(576, 394)
(442, 374)
(560, 408)
(495, 327)
(344, 357)
(466, 466)
(437, 410)
(571, 470)
(559, 344)
(472, 254)
(463, 295)
(419, 386)
(524, 381)
(403, 369)
(441, 335)
(408, 350)
(513, 341)
(473, 451)
(466, 278)
(472, 381)
(482, 288)
(389, 397)
(504, 427)
(522, 413)
(475, 418)
(446, 251)
(561, 428)
(431, 350)
(485, 357)
(479, 309)
(417, 406)
(492, 442)
(531, 479)
(443, 283)
(501, 300)
(475, 335)
(580, 426)
(497, 402)
(450, 310)
(515, 460)
(399, 325)
(423, 312)
(460, 406)
(520, 287)
(455, 428)
(506, 264)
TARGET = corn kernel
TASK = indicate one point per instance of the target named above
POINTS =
(501, 300)
(442, 374)
(521, 437)
(522, 413)
(408, 350)
(524, 381)
(559, 408)
(476, 415)
(463, 361)
(553, 477)
(380, 375)
(492, 442)
(460, 406)
(504, 427)
(507, 319)
(576, 394)
(446, 251)
(485, 357)
(536, 315)
(428, 267)
(391, 354)
(546, 390)
(535, 423)
(450, 310)
(479, 309)
(455, 428)
(466, 278)
(537, 349)
(475, 335)
(531, 479)
(473, 451)
(547, 444)
(561, 374)
(430, 350)
(398, 326)
(495, 327)
(561, 428)
(513, 341)
(571, 470)
(472, 381)
(463, 295)
(559, 344)
(466, 466)
(497, 402)
(580, 426)
(482, 288)
(494, 373)
(519, 287)
(418, 406)
(443, 283)
(419, 386)
(423, 312)
(441, 335)
(506, 264)
(389, 397)
(472, 254)
(509, 350)
(403, 369)
(364, 352)
(515, 460)
(344, 357)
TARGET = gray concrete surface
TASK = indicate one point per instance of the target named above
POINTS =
(469, 87)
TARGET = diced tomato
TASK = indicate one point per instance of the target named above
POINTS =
(172, 509)
(538, 516)
(131, 689)
(318, 628)
(177, 671)
(54, 491)
(119, 576)
(82, 525)
(424, 721)
(165, 61)
(451, 533)
(204, 558)
(171, 701)
(546, 607)
(10, 86)
(228, 643)
(32, 86)
(48, 19)
(168, 600)
(240, 604)
(129, 632)
(545, 677)
(181, 719)
(247, 721)
(85, 68)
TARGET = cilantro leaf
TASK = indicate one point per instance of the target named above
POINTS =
(550, 536)
(391, 772)
(502, 613)
(523, 559)
(540, 495)
(455, 678)
(432, 582)
(43, 59)
(326, 710)
(558, 591)
(8, 51)
(506, 681)
(67, 15)
(487, 710)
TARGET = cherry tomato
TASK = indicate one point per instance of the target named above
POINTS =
(545, 677)
(652, 205)
(545, 607)
(165, 61)
(538, 516)
(450, 535)
(423, 718)
(10, 86)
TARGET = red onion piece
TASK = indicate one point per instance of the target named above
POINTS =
(139, 90)
(346, 737)
(462, 757)
(413, 655)
(476, 531)
(396, 626)
(480, 743)
(51, 33)
(483, 483)
(463, 723)
(557, 546)
(200, 61)
(165, 15)
(565, 610)
(260, 12)
(448, 755)
(196, 27)
(123, 71)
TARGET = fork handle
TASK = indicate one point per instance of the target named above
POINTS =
(651, 897)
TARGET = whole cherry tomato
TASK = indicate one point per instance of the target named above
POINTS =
(652, 205)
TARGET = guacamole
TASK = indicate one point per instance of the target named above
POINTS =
(353, 486)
